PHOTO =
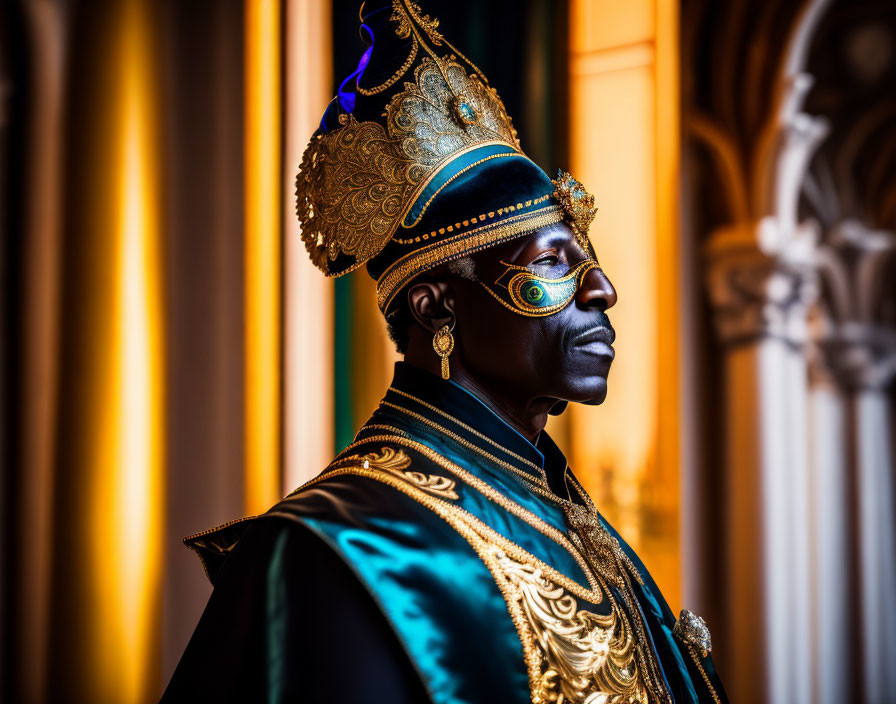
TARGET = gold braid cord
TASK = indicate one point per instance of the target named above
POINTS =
(608, 560)
(572, 655)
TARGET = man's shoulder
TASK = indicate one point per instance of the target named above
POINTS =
(377, 485)
(375, 468)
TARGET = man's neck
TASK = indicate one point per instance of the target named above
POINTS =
(527, 416)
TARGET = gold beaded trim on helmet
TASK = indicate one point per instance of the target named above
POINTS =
(491, 233)
(471, 221)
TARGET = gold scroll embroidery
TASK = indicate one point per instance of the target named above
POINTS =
(397, 462)
(586, 657)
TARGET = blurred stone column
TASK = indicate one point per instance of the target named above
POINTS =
(761, 289)
(877, 556)
(830, 522)
(860, 349)
(762, 285)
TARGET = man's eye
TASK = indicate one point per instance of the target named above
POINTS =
(547, 260)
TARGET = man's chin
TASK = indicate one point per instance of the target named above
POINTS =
(595, 393)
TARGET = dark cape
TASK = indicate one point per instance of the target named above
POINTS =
(441, 557)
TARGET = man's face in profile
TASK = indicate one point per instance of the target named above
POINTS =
(565, 354)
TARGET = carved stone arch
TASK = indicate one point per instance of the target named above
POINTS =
(851, 185)
(853, 60)
(741, 63)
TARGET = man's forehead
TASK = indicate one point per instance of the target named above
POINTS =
(558, 235)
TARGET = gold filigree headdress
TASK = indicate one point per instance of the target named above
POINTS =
(419, 169)
(356, 183)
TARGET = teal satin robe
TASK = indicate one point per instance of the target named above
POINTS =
(450, 527)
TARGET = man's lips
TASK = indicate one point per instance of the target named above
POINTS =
(600, 337)
(596, 334)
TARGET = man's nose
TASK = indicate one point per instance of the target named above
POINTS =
(596, 291)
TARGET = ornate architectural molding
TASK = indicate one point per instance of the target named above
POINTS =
(760, 283)
(856, 341)
(862, 357)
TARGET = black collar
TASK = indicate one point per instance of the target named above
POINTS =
(418, 400)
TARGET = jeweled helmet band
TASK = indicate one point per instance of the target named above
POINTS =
(482, 233)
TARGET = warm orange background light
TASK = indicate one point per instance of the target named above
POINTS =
(624, 137)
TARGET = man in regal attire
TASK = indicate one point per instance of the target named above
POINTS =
(448, 554)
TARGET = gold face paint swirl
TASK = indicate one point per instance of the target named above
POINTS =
(535, 296)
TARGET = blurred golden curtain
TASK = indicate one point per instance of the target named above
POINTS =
(109, 486)
(263, 252)
(148, 313)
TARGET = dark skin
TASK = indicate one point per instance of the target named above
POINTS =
(523, 368)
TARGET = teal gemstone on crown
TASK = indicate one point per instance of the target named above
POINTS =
(465, 111)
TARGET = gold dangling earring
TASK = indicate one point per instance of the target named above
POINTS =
(443, 344)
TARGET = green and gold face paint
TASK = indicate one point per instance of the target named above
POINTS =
(526, 293)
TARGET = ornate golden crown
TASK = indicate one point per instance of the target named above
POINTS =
(356, 183)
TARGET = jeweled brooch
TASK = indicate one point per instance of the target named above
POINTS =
(692, 630)
(577, 205)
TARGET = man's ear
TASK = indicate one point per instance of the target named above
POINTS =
(432, 304)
